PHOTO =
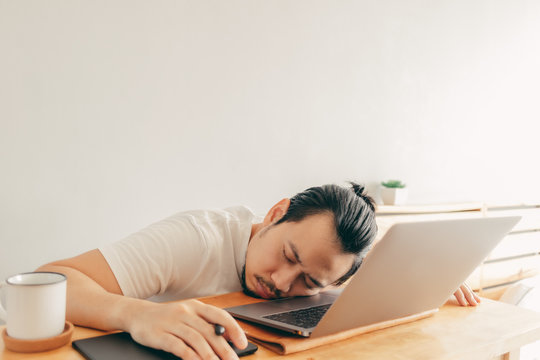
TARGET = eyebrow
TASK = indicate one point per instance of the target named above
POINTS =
(295, 253)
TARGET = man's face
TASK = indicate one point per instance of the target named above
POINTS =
(294, 258)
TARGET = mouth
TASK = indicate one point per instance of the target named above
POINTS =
(262, 290)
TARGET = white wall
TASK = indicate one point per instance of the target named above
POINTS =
(115, 114)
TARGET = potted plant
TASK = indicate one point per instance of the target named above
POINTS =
(393, 192)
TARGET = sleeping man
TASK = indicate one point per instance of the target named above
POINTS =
(309, 243)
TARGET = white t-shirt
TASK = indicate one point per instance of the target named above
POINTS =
(190, 254)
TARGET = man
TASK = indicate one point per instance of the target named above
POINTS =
(312, 242)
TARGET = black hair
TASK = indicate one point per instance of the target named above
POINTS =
(354, 217)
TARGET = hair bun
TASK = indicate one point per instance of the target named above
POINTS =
(359, 190)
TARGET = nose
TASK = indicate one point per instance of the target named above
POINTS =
(284, 277)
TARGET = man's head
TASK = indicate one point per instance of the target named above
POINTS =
(312, 241)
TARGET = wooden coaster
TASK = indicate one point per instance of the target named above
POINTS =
(37, 345)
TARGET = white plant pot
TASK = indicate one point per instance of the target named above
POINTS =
(394, 196)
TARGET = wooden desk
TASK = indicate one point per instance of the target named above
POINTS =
(492, 330)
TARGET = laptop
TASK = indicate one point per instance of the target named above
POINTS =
(414, 268)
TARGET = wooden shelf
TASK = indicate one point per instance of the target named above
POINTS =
(428, 208)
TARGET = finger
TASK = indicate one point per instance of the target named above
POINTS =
(176, 346)
(217, 343)
(476, 297)
(215, 315)
(194, 338)
(474, 294)
(469, 295)
(460, 297)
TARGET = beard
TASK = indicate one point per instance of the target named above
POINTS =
(271, 287)
(273, 291)
(245, 288)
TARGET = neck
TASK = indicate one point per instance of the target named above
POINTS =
(255, 228)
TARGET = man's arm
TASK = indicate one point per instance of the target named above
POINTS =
(185, 328)
(93, 294)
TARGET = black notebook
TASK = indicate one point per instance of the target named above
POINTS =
(120, 346)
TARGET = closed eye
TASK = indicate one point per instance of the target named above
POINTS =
(289, 260)
(309, 287)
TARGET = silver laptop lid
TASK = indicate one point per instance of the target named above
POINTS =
(415, 267)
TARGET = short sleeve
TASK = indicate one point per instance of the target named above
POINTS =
(145, 262)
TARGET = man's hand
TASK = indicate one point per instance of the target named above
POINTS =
(186, 329)
(465, 296)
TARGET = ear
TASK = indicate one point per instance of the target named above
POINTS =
(277, 212)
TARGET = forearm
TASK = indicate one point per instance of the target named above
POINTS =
(95, 299)
(183, 329)
(89, 304)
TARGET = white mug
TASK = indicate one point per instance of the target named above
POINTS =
(35, 305)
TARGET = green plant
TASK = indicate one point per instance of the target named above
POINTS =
(393, 184)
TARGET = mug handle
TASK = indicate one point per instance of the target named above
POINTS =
(3, 313)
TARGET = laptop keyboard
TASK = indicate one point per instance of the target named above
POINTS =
(306, 318)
